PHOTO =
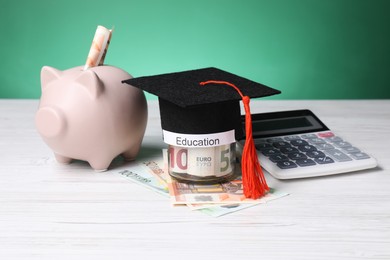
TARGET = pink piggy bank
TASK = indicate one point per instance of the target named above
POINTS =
(90, 115)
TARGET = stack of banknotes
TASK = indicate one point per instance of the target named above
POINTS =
(214, 200)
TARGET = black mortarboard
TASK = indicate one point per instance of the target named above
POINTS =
(187, 107)
(206, 101)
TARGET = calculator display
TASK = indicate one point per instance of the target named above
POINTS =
(284, 123)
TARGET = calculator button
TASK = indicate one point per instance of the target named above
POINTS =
(315, 154)
(299, 142)
(351, 149)
(278, 158)
(308, 136)
(338, 155)
(323, 160)
(268, 151)
(305, 162)
(307, 148)
(292, 137)
(317, 141)
(296, 156)
(286, 164)
(324, 146)
(289, 150)
(275, 139)
(334, 139)
(261, 146)
(281, 144)
(360, 156)
(342, 144)
(326, 134)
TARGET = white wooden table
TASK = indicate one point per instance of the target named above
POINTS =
(53, 211)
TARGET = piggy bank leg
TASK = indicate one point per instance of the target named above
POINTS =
(100, 165)
(131, 153)
(63, 159)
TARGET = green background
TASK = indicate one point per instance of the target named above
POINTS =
(308, 49)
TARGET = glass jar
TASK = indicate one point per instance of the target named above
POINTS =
(206, 165)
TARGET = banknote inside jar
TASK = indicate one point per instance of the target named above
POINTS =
(206, 165)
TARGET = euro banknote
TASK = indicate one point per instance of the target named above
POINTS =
(151, 174)
(200, 196)
(144, 178)
(217, 210)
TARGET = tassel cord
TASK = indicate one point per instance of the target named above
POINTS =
(253, 180)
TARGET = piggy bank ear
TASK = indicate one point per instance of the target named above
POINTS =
(49, 74)
(91, 82)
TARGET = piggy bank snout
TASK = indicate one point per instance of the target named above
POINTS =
(50, 122)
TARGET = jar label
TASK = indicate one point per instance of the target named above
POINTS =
(199, 140)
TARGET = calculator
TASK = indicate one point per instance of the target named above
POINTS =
(296, 144)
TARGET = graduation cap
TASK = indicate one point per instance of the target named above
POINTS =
(206, 101)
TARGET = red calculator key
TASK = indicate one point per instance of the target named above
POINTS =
(326, 134)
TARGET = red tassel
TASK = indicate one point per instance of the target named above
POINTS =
(253, 180)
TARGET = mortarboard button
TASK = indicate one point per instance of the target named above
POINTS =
(209, 111)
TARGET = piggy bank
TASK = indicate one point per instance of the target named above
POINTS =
(90, 115)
